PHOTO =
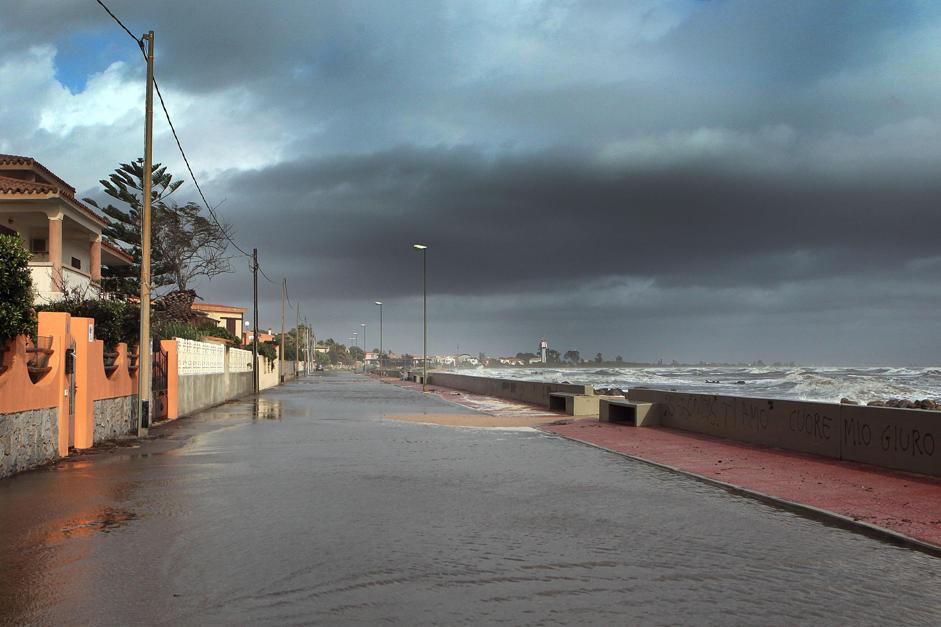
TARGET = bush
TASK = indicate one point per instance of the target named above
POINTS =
(268, 350)
(211, 329)
(115, 320)
(17, 316)
(174, 329)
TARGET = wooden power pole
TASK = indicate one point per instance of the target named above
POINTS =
(284, 288)
(297, 336)
(255, 326)
(144, 359)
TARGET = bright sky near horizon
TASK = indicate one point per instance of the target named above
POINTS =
(719, 180)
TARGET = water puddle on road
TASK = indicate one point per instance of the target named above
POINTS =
(102, 521)
(473, 420)
(266, 409)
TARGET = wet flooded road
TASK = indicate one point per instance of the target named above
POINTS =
(318, 510)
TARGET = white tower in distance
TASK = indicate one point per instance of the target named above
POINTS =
(543, 351)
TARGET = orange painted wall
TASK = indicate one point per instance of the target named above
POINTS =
(18, 393)
(91, 382)
(173, 374)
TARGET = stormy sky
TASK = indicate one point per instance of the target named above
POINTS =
(677, 179)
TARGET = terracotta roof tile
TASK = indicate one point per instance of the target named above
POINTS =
(57, 186)
(218, 308)
(10, 185)
(117, 252)
(29, 162)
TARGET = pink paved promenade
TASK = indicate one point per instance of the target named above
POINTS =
(904, 503)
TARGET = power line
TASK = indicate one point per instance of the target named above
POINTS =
(140, 42)
(186, 160)
(179, 145)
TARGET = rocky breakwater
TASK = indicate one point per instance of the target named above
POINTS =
(900, 403)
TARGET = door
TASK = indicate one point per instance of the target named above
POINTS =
(158, 388)
(70, 383)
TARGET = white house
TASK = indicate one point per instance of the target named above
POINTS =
(62, 233)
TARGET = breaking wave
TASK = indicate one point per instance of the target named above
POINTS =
(804, 383)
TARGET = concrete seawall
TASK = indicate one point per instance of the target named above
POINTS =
(532, 392)
(903, 439)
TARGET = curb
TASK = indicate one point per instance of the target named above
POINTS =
(809, 511)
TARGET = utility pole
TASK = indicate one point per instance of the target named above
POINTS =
(364, 347)
(379, 302)
(297, 331)
(423, 249)
(310, 362)
(284, 287)
(255, 326)
(144, 359)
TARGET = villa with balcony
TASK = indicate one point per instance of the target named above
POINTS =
(62, 233)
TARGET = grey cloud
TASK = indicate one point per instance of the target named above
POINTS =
(503, 223)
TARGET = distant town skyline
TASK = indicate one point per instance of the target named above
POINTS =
(715, 181)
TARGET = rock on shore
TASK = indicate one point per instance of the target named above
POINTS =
(902, 403)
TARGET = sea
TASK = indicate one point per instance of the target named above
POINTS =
(813, 383)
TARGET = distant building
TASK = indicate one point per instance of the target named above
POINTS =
(226, 316)
(467, 360)
(543, 351)
(249, 336)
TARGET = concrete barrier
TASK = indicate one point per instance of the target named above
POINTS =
(907, 439)
(577, 404)
(903, 439)
(623, 411)
(532, 392)
(200, 391)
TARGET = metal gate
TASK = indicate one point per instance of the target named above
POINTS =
(158, 388)
(70, 381)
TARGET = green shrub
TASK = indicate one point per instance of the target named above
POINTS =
(173, 329)
(17, 316)
(115, 320)
(211, 329)
(268, 350)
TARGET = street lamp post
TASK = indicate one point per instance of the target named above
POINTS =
(363, 324)
(424, 308)
(379, 302)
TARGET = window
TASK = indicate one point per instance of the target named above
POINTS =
(76, 263)
(38, 245)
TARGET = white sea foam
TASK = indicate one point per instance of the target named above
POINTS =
(861, 384)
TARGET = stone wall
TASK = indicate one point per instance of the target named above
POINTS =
(115, 417)
(28, 439)
(533, 392)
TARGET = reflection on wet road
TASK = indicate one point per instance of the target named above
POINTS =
(307, 506)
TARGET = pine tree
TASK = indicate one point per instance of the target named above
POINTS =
(184, 244)
(126, 185)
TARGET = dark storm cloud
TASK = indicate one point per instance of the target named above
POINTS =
(512, 223)
(729, 176)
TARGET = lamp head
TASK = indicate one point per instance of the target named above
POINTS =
(379, 302)
(419, 246)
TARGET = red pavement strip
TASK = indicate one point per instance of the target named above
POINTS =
(897, 506)
(906, 505)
